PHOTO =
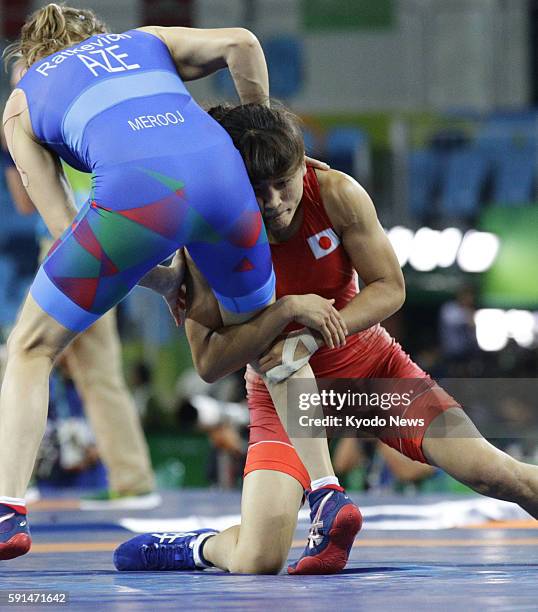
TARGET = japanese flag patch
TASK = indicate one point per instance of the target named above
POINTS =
(323, 243)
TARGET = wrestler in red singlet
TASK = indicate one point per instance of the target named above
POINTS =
(326, 270)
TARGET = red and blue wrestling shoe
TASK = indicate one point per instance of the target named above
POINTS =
(163, 552)
(15, 537)
(336, 520)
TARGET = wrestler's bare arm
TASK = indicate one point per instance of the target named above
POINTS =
(40, 170)
(199, 52)
(354, 217)
(18, 193)
(21, 200)
(217, 350)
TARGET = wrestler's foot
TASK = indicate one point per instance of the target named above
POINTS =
(336, 520)
(163, 551)
(15, 537)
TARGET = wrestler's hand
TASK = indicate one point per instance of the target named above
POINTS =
(315, 163)
(319, 314)
(176, 304)
(273, 356)
(174, 293)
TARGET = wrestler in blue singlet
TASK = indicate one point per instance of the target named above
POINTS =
(165, 175)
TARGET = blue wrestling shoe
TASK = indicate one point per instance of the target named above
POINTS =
(15, 537)
(153, 552)
(336, 520)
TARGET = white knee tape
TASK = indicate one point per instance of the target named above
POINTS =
(290, 365)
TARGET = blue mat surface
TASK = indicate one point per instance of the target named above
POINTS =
(495, 569)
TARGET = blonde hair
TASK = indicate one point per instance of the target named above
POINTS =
(50, 29)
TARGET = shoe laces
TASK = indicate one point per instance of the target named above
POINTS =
(316, 535)
(163, 556)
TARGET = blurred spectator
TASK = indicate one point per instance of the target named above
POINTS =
(374, 458)
(141, 387)
(210, 408)
(430, 359)
(457, 333)
(68, 455)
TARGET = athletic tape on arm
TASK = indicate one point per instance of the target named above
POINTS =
(290, 365)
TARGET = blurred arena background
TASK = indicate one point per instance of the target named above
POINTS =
(432, 106)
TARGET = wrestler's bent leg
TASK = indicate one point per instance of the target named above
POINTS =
(260, 544)
(453, 443)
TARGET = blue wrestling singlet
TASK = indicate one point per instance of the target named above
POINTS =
(165, 175)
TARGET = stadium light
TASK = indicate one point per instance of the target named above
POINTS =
(478, 251)
(401, 239)
(449, 243)
(491, 329)
(520, 325)
(427, 249)
(423, 255)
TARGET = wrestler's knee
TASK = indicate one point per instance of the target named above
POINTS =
(268, 552)
(258, 562)
(25, 343)
(37, 335)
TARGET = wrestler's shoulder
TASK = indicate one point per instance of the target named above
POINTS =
(15, 105)
(17, 109)
(344, 198)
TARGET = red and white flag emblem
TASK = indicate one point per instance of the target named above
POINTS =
(323, 243)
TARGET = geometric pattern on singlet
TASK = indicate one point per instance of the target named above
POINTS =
(104, 249)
